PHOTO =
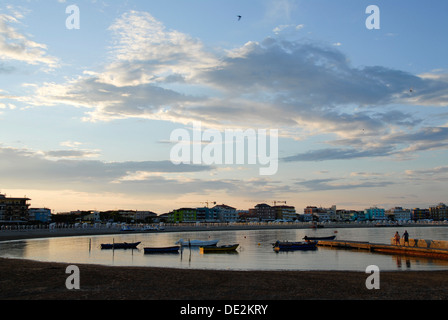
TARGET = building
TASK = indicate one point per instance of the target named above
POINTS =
(247, 215)
(206, 214)
(39, 215)
(374, 213)
(164, 217)
(306, 217)
(321, 214)
(419, 214)
(226, 213)
(264, 212)
(398, 214)
(439, 212)
(127, 216)
(347, 215)
(310, 210)
(92, 216)
(182, 215)
(285, 212)
(13, 209)
(332, 213)
(145, 216)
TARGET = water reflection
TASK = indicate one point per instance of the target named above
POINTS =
(255, 251)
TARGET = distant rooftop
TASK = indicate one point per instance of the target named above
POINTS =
(2, 196)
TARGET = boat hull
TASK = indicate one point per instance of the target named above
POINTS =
(219, 249)
(294, 246)
(318, 238)
(150, 250)
(197, 243)
(123, 245)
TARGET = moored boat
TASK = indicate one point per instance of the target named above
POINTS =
(197, 243)
(293, 246)
(216, 249)
(172, 249)
(306, 238)
(120, 245)
(127, 229)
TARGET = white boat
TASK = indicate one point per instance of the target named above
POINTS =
(127, 229)
(197, 243)
(152, 228)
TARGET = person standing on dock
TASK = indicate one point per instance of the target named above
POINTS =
(406, 237)
(397, 238)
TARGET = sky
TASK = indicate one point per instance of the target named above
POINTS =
(88, 113)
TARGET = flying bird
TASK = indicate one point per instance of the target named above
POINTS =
(239, 18)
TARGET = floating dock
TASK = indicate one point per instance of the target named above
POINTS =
(428, 252)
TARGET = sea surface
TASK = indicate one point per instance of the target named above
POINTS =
(255, 250)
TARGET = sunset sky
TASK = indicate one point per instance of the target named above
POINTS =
(86, 114)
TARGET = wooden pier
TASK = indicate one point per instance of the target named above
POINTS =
(436, 253)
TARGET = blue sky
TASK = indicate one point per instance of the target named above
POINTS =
(86, 115)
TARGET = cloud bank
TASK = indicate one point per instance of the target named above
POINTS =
(165, 74)
(303, 88)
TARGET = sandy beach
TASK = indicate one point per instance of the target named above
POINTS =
(32, 280)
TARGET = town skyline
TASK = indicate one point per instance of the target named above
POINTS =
(91, 94)
(211, 204)
(17, 210)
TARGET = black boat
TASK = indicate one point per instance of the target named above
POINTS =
(123, 245)
(294, 246)
(306, 238)
(173, 249)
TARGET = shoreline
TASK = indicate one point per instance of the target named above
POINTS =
(11, 235)
(33, 280)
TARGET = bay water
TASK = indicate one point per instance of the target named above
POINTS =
(255, 251)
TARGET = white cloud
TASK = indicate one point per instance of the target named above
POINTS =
(24, 168)
(71, 144)
(303, 88)
(17, 46)
(144, 51)
(291, 27)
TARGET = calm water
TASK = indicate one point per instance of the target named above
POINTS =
(255, 251)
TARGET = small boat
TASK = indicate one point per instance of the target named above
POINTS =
(216, 249)
(152, 228)
(148, 228)
(127, 229)
(173, 249)
(197, 243)
(306, 238)
(122, 245)
(293, 246)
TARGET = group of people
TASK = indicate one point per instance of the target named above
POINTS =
(405, 237)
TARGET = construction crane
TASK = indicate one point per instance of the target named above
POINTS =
(276, 201)
(207, 202)
(264, 201)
